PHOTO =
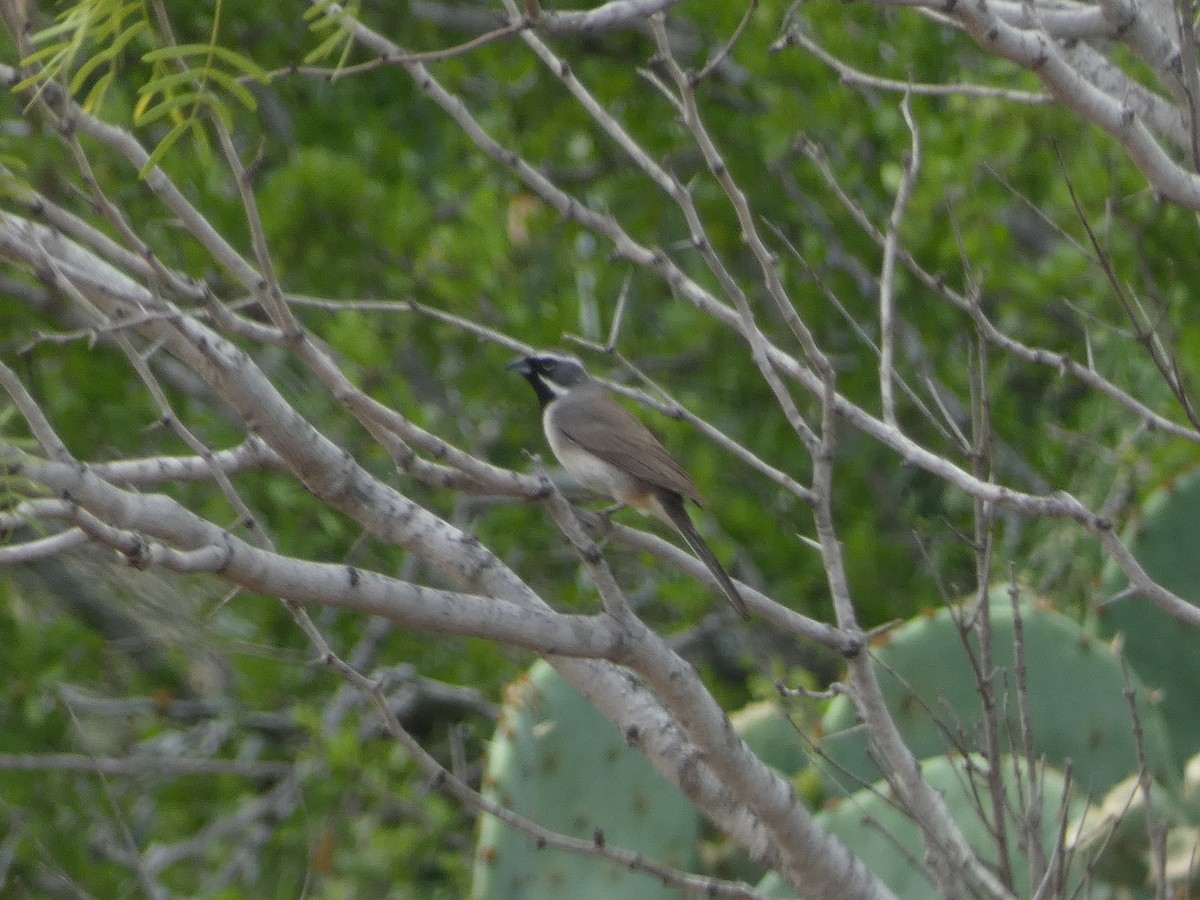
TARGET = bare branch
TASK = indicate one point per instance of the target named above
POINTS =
(856, 78)
(887, 286)
(141, 766)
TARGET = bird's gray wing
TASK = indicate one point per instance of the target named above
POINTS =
(594, 420)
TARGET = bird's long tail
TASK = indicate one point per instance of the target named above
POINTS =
(672, 504)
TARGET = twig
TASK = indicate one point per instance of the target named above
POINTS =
(1146, 333)
(141, 766)
(794, 36)
(719, 56)
(887, 285)
(381, 62)
(1155, 832)
(1060, 362)
(765, 258)
(447, 780)
(42, 430)
(30, 551)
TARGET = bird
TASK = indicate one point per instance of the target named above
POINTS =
(609, 451)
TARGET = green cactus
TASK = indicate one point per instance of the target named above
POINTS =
(1117, 827)
(1190, 795)
(1076, 702)
(1162, 650)
(874, 828)
(556, 760)
(768, 731)
(1120, 823)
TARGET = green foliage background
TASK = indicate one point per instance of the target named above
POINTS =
(369, 192)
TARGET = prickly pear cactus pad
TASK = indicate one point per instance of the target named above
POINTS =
(557, 761)
(1076, 698)
(765, 727)
(1118, 827)
(877, 832)
(1161, 649)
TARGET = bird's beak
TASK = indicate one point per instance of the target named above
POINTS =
(521, 366)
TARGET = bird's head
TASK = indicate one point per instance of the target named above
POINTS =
(550, 375)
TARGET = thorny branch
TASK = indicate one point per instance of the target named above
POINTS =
(128, 297)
